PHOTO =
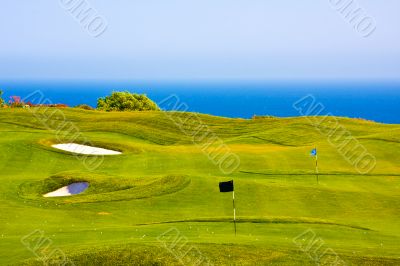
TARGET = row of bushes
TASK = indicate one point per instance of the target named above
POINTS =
(117, 101)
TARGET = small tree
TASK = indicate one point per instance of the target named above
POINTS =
(126, 101)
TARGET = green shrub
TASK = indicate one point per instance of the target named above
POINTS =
(17, 105)
(126, 101)
(85, 107)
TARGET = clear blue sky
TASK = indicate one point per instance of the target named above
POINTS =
(201, 39)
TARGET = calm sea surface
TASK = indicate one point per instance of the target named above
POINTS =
(374, 101)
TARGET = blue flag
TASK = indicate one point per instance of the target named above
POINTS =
(314, 152)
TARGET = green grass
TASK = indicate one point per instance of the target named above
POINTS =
(163, 180)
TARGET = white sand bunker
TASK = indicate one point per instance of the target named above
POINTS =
(84, 149)
(72, 189)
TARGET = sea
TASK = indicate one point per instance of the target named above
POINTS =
(376, 101)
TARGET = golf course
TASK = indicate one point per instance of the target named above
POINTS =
(155, 199)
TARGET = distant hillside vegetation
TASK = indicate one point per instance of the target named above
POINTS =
(1, 99)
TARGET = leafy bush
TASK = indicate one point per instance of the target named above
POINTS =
(126, 101)
(16, 105)
(84, 106)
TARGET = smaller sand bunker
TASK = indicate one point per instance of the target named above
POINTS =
(84, 149)
(72, 189)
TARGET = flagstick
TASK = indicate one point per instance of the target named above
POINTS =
(234, 210)
(316, 167)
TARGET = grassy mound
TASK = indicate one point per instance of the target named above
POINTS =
(102, 187)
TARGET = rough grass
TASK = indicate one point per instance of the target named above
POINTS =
(210, 254)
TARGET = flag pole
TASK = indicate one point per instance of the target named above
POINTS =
(234, 210)
(316, 166)
(229, 187)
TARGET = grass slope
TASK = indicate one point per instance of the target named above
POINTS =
(164, 183)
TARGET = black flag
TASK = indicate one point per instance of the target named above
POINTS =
(226, 186)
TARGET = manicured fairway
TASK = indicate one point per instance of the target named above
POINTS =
(163, 186)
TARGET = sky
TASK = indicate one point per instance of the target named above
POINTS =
(199, 39)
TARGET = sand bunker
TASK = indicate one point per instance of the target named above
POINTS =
(83, 149)
(73, 189)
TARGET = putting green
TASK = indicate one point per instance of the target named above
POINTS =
(164, 187)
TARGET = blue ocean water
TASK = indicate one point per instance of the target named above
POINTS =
(378, 101)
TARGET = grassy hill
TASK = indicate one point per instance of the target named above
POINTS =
(163, 186)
